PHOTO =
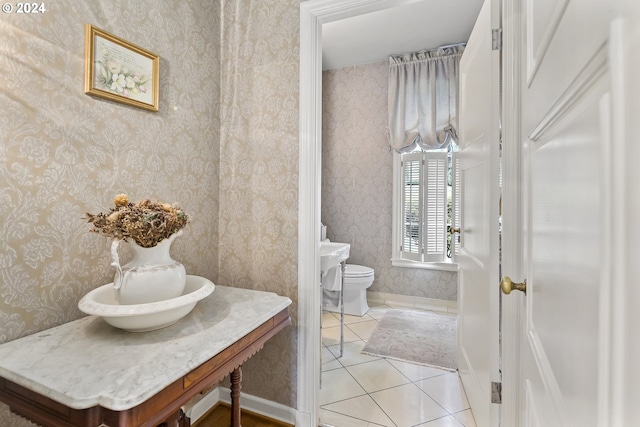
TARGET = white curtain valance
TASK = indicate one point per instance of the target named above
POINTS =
(423, 98)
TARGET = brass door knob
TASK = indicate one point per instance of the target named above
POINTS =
(507, 285)
(454, 230)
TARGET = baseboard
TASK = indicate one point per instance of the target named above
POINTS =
(198, 407)
(303, 419)
(254, 404)
(261, 406)
(404, 301)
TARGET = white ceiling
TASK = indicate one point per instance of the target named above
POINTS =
(372, 37)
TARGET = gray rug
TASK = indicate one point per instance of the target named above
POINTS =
(415, 336)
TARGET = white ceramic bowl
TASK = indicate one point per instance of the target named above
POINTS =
(145, 317)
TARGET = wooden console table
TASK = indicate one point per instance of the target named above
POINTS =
(87, 373)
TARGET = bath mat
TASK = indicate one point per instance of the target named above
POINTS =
(415, 336)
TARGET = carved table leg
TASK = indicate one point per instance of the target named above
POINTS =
(178, 419)
(184, 421)
(236, 379)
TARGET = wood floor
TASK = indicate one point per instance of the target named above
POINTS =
(220, 416)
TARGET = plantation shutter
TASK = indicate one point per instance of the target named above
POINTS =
(436, 206)
(412, 206)
(455, 205)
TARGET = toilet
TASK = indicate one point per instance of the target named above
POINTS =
(356, 281)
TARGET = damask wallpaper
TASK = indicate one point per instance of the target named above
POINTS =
(357, 180)
(223, 145)
(259, 117)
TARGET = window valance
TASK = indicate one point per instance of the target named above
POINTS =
(423, 98)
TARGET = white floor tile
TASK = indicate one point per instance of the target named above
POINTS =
(377, 375)
(329, 320)
(329, 361)
(466, 418)
(338, 385)
(408, 406)
(331, 336)
(416, 372)
(447, 390)
(362, 408)
(377, 312)
(410, 395)
(352, 353)
(447, 421)
(350, 319)
(364, 329)
(333, 419)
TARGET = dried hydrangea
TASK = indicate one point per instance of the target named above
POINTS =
(146, 222)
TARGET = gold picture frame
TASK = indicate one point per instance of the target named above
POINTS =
(120, 71)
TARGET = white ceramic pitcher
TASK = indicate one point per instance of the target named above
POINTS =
(152, 275)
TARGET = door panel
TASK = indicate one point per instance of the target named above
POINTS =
(474, 210)
(563, 280)
(573, 36)
(543, 19)
(564, 124)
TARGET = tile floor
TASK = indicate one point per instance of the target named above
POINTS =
(364, 391)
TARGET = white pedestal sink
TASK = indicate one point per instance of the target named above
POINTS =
(332, 254)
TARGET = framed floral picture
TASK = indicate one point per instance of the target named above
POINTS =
(120, 71)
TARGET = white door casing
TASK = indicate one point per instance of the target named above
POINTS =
(313, 13)
(512, 246)
(478, 260)
(622, 228)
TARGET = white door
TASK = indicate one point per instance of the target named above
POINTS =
(568, 51)
(478, 276)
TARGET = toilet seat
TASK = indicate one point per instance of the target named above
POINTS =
(356, 271)
(357, 277)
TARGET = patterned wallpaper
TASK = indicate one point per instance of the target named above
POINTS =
(63, 153)
(357, 180)
(224, 145)
(259, 172)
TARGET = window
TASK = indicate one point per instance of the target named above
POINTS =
(426, 207)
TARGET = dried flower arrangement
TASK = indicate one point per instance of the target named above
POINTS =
(146, 222)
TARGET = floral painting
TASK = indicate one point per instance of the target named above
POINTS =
(120, 71)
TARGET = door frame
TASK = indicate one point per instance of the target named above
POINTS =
(313, 13)
(513, 214)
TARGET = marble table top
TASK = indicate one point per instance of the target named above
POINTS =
(87, 362)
